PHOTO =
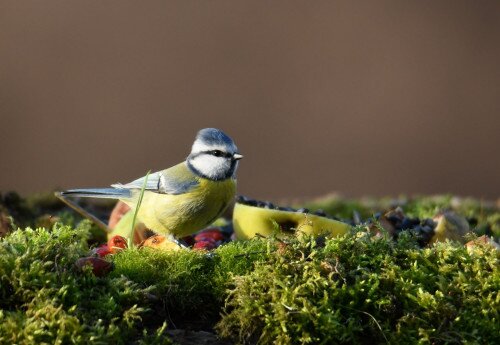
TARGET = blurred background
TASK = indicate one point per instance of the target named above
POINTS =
(361, 98)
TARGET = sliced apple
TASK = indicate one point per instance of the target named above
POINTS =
(252, 217)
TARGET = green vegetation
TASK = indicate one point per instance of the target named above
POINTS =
(366, 289)
(360, 288)
(43, 299)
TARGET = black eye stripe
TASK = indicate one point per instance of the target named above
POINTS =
(218, 153)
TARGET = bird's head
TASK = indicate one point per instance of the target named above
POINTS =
(214, 155)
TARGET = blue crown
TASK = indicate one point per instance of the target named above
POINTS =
(214, 136)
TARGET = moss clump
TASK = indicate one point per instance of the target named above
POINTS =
(188, 287)
(366, 289)
(43, 299)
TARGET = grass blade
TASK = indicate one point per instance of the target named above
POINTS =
(139, 202)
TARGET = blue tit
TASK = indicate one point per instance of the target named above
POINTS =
(187, 197)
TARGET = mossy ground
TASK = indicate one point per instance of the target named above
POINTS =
(359, 288)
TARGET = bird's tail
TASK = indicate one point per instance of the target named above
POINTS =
(107, 193)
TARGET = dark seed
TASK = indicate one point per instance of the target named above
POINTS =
(246, 201)
(406, 224)
(268, 204)
(417, 229)
(429, 222)
(259, 203)
(427, 229)
(395, 220)
(414, 221)
(288, 226)
(320, 213)
(303, 210)
(472, 221)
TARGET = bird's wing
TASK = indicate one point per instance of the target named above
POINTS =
(175, 180)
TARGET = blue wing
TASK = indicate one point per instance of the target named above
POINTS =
(175, 180)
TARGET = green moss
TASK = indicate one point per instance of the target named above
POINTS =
(354, 289)
(44, 300)
(189, 286)
(365, 289)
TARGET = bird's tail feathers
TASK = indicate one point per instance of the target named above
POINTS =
(107, 193)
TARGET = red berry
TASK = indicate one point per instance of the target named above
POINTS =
(117, 243)
(100, 267)
(205, 245)
(213, 234)
(102, 251)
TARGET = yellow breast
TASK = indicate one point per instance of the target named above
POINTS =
(184, 214)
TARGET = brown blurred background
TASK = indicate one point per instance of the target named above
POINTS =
(363, 98)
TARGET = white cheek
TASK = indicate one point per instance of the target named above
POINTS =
(209, 165)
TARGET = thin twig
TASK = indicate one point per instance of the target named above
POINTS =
(83, 212)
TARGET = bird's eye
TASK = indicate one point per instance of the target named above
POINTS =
(217, 153)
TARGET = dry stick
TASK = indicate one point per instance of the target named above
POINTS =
(83, 212)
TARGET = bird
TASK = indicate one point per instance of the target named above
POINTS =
(186, 197)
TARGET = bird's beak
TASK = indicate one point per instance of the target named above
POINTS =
(237, 156)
